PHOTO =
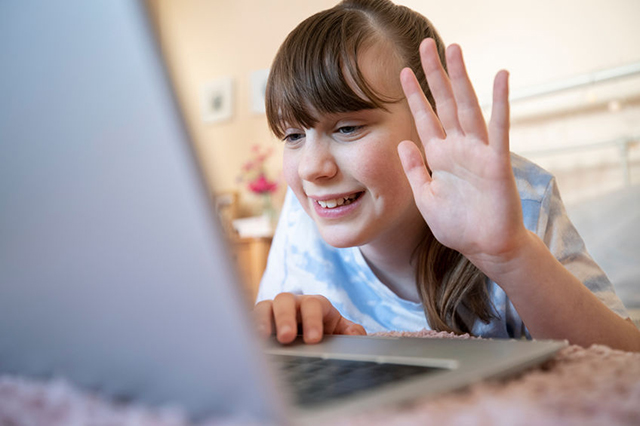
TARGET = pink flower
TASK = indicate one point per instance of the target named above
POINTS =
(254, 174)
(261, 185)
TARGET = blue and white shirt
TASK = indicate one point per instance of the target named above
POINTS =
(301, 262)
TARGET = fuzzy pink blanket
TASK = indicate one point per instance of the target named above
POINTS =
(592, 386)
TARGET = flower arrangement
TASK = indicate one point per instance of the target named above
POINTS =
(254, 173)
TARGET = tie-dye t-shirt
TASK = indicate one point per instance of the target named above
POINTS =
(301, 262)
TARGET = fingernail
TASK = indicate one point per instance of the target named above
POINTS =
(313, 334)
(285, 329)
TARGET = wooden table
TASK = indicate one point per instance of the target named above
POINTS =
(251, 257)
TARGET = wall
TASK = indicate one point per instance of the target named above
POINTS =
(538, 42)
(203, 40)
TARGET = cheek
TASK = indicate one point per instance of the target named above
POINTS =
(291, 176)
(386, 180)
(290, 173)
(289, 168)
(383, 165)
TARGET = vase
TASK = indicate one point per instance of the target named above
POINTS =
(268, 210)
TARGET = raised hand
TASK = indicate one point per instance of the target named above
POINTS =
(466, 191)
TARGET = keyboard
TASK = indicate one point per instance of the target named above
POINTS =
(318, 380)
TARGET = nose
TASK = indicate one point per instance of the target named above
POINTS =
(317, 160)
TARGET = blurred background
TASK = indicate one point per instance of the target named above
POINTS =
(575, 89)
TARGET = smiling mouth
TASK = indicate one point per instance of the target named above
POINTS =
(337, 202)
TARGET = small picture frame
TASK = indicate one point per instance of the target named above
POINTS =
(217, 100)
(258, 87)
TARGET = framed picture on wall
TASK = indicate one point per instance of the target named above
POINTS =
(258, 88)
(216, 100)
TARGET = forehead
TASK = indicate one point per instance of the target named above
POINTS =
(330, 119)
(314, 76)
(380, 66)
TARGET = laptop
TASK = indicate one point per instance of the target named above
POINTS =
(114, 271)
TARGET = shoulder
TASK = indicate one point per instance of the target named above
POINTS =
(533, 181)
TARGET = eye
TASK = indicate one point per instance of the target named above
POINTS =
(293, 137)
(348, 130)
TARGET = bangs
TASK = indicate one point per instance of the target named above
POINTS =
(316, 71)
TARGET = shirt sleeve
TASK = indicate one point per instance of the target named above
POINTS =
(562, 238)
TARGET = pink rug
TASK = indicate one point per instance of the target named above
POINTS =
(592, 386)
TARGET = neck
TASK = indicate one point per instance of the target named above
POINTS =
(390, 258)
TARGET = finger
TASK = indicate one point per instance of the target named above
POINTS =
(350, 328)
(263, 318)
(335, 323)
(427, 123)
(440, 86)
(311, 314)
(330, 315)
(285, 315)
(414, 167)
(499, 123)
(469, 112)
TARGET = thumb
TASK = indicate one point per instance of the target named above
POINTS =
(414, 166)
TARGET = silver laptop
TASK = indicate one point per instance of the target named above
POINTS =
(113, 269)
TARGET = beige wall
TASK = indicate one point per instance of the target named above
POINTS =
(204, 40)
(538, 42)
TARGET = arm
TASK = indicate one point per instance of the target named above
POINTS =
(554, 304)
(554, 228)
(471, 203)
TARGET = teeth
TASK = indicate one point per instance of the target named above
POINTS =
(332, 204)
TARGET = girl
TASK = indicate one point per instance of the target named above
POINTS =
(403, 219)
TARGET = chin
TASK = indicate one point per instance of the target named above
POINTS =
(340, 244)
(342, 239)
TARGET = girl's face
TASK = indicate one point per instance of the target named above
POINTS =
(345, 171)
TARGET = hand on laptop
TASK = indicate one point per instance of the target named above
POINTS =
(283, 314)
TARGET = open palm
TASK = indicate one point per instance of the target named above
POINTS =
(468, 194)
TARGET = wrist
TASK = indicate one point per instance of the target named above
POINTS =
(510, 260)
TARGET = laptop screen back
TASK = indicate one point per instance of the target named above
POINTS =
(112, 269)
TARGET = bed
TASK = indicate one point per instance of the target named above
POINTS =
(610, 227)
(579, 386)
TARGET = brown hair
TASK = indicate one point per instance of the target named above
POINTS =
(315, 71)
